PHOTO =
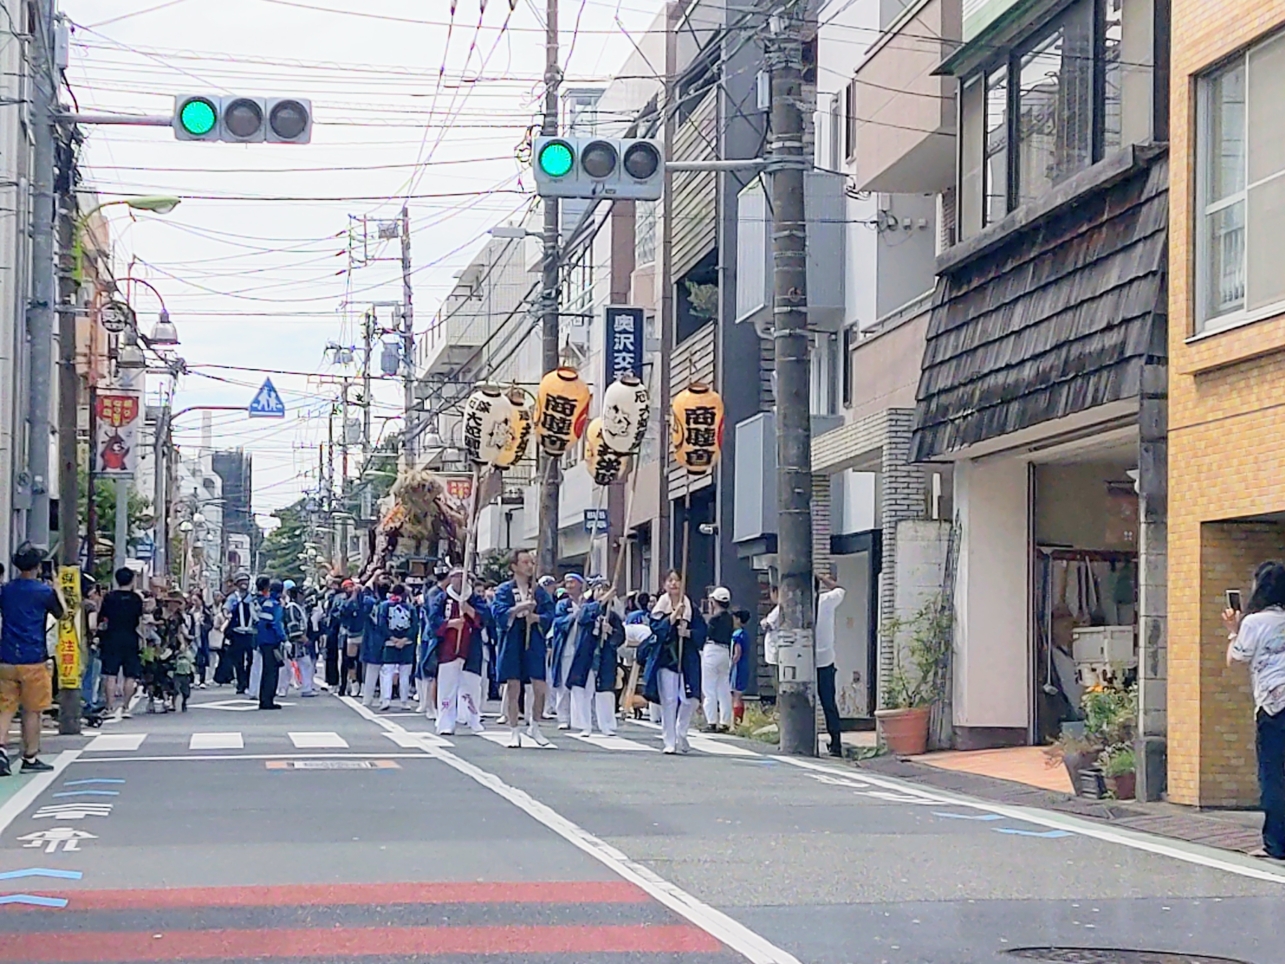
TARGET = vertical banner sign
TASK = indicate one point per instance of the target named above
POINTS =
(459, 486)
(68, 638)
(116, 447)
(623, 343)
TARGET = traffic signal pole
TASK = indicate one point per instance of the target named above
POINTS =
(550, 294)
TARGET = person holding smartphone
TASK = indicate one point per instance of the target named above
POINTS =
(1257, 637)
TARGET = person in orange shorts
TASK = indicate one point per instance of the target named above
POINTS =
(25, 604)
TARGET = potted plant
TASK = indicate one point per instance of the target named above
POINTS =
(1119, 767)
(1075, 750)
(921, 649)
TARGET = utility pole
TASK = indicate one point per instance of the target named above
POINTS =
(796, 698)
(69, 702)
(408, 344)
(551, 295)
(341, 535)
(160, 560)
(40, 312)
(368, 337)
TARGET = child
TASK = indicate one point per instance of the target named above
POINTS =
(741, 663)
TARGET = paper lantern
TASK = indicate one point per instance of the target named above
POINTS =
(488, 424)
(697, 428)
(605, 466)
(520, 431)
(561, 410)
(624, 415)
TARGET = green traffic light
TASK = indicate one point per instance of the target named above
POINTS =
(556, 159)
(198, 117)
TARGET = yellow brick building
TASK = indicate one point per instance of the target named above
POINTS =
(1226, 372)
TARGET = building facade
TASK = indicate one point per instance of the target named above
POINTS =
(1227, 359)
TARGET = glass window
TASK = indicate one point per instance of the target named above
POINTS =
(1112, 75)
(1055, 105)
(972, 150)
(645, 233)
(996, 146)
(836, 131)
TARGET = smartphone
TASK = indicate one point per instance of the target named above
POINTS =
(1233, 600)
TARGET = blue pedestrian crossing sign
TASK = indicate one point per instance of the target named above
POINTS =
(267, 402)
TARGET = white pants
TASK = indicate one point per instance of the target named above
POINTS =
(676, 708)
(653, 712)
(716, 683)
(403, 673)
(307, 674)
(256, 671)
(448, 694)
(285, 676)
(562, 704)
(370, 682)
(468, 708)
(586, 704)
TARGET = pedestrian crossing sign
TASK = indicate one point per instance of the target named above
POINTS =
(267, 402)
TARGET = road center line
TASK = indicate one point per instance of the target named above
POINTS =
(718, 925)
(1178, 850)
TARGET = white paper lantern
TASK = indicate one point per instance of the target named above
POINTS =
(624, 415)
(488, 424)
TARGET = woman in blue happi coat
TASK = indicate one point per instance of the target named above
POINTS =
(592, 676)
(523, 614)
(398, 621)
(672, 676)
(373, 637)
(565, 640)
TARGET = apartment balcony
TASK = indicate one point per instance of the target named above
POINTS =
(904, 113)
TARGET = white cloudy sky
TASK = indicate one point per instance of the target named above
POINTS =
(257, 282)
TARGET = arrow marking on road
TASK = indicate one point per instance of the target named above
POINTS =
(87, 793)
(81, 783)
(41, 872)
(34, 900)
(1048, 834)
(966, 816)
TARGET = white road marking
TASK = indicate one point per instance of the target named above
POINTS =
(500, 738)
(1243, 866)
(615, 743)
(115, 742)
(413, 741)
(216, 741)
(738, 937)
(190, 757)
(702, 742)
(322, 740)
(33, 788)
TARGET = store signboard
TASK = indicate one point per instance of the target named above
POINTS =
(68, 653)
(116, 447)
(623, 343)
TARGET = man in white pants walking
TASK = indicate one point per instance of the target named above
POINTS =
(566, 640)
(716, 663)
(456, 621)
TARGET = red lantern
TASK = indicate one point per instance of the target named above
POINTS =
(561, 410)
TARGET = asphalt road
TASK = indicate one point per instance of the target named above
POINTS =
(328, 832)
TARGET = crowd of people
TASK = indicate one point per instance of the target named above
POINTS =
(548, 650)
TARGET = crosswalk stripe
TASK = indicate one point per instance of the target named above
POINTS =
(502, 739)
(216, 741)
(717, 747)
(615, 743)
(107, 742)
(324, 740)
(413, 741)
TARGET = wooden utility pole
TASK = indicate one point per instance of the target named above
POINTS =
(551, 298)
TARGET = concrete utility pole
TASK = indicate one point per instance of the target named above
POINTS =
(40, 312)
(367, 339)
(408, 344)
(551, 294)
(795, 695)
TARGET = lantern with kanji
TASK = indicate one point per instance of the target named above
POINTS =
(519, 431)
(624, 415)
(697, 428)
(605, 466)
(488, 424)
(561, 410)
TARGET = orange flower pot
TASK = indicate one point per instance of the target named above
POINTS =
(905, 731)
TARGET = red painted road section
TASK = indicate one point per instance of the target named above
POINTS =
(350, 942)
(345, 895)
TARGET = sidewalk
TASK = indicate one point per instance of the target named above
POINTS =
(1003, 781)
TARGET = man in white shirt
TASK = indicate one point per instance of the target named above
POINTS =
(828, 603)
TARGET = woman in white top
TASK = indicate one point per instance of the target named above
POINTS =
(1258, 638)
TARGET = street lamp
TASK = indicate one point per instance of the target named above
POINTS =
(155, 203)
(129, 355)
(164, 333)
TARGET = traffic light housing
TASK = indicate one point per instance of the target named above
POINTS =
(630, 169)
(241, 119)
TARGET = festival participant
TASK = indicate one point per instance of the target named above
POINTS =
(398, 622)
(523, 614)
(456, 622)
(673, 674)
(716, 662)
(426, 664)
(469, 703)
(372, 640)
(566, 638)
(592, 675)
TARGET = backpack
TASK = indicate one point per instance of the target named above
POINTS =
(296, 621)
(243, 616)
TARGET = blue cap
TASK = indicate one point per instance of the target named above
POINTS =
(288, 584)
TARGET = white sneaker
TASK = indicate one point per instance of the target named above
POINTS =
(385, 706)
(477, 730)
(683, 745)
(118, 714)
(405, 705)
(515, 739)
(669, 751)
(502, 719)
(533, 731)
(564, 726)
(584, 734)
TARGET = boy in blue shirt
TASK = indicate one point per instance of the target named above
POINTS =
(25, 603)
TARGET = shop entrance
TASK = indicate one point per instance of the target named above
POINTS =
(1084, 580)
